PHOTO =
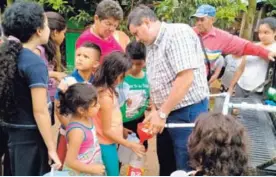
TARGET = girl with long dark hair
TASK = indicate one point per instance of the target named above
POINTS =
(23, 90)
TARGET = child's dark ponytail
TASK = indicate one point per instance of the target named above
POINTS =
(64, 108)
(77, 95)
(9, 50)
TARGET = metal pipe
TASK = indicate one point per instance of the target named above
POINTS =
(267, 164)
(181, 125)
(257, 107)
(226, 104)
(224, 94)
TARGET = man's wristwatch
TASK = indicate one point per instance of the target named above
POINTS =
(162, 115)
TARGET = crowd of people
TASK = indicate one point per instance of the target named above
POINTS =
(163, 76)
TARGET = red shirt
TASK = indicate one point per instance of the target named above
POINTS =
(227, 43)
(107, 46)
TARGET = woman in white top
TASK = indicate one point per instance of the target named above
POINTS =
(252, 71)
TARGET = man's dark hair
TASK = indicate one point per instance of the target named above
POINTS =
(136, 51)
(138, 13)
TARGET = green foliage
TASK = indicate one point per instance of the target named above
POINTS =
(181, 10)
(82, 17)
(227, 13)
(62, 6)
(166, 10)
(272, 4)
(55, 4)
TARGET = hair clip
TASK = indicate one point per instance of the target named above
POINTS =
(12, 38)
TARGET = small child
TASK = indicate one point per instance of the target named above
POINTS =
(109, 122)
(137, 102)
(218, 146)
(86, 61)
(84, 155)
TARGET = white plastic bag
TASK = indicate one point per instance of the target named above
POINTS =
(124, 152)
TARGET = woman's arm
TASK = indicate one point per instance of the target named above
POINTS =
(57, 75)
(237, 75)
(43, 120)
(215, 75)
(76, 137)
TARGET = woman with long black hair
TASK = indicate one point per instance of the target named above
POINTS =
(23, 90)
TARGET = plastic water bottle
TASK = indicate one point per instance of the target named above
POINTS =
(124, 152)
(136, 165)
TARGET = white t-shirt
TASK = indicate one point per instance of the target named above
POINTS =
(255, 71)
(231, 66)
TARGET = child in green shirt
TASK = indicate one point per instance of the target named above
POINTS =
(137, 98)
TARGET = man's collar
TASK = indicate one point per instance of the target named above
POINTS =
(161, 33)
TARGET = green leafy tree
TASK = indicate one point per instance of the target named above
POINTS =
(181, 10)
(272, 6)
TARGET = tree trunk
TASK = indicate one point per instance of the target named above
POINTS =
(9, 2)
(248, 20)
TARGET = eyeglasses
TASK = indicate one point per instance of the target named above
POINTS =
(109, 25)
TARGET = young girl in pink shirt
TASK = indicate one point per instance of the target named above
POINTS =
(83, 156)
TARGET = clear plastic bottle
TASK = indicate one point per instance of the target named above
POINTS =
(136, 165)
(124, 152)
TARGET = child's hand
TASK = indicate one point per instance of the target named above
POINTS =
(53, 156)
(97, 169)
(66, 82)
(139, 149)
(60, 76)
(126, 132)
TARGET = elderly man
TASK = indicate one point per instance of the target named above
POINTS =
(217, 40)
(178, 84)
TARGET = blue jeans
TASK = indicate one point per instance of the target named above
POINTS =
(179, 137)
